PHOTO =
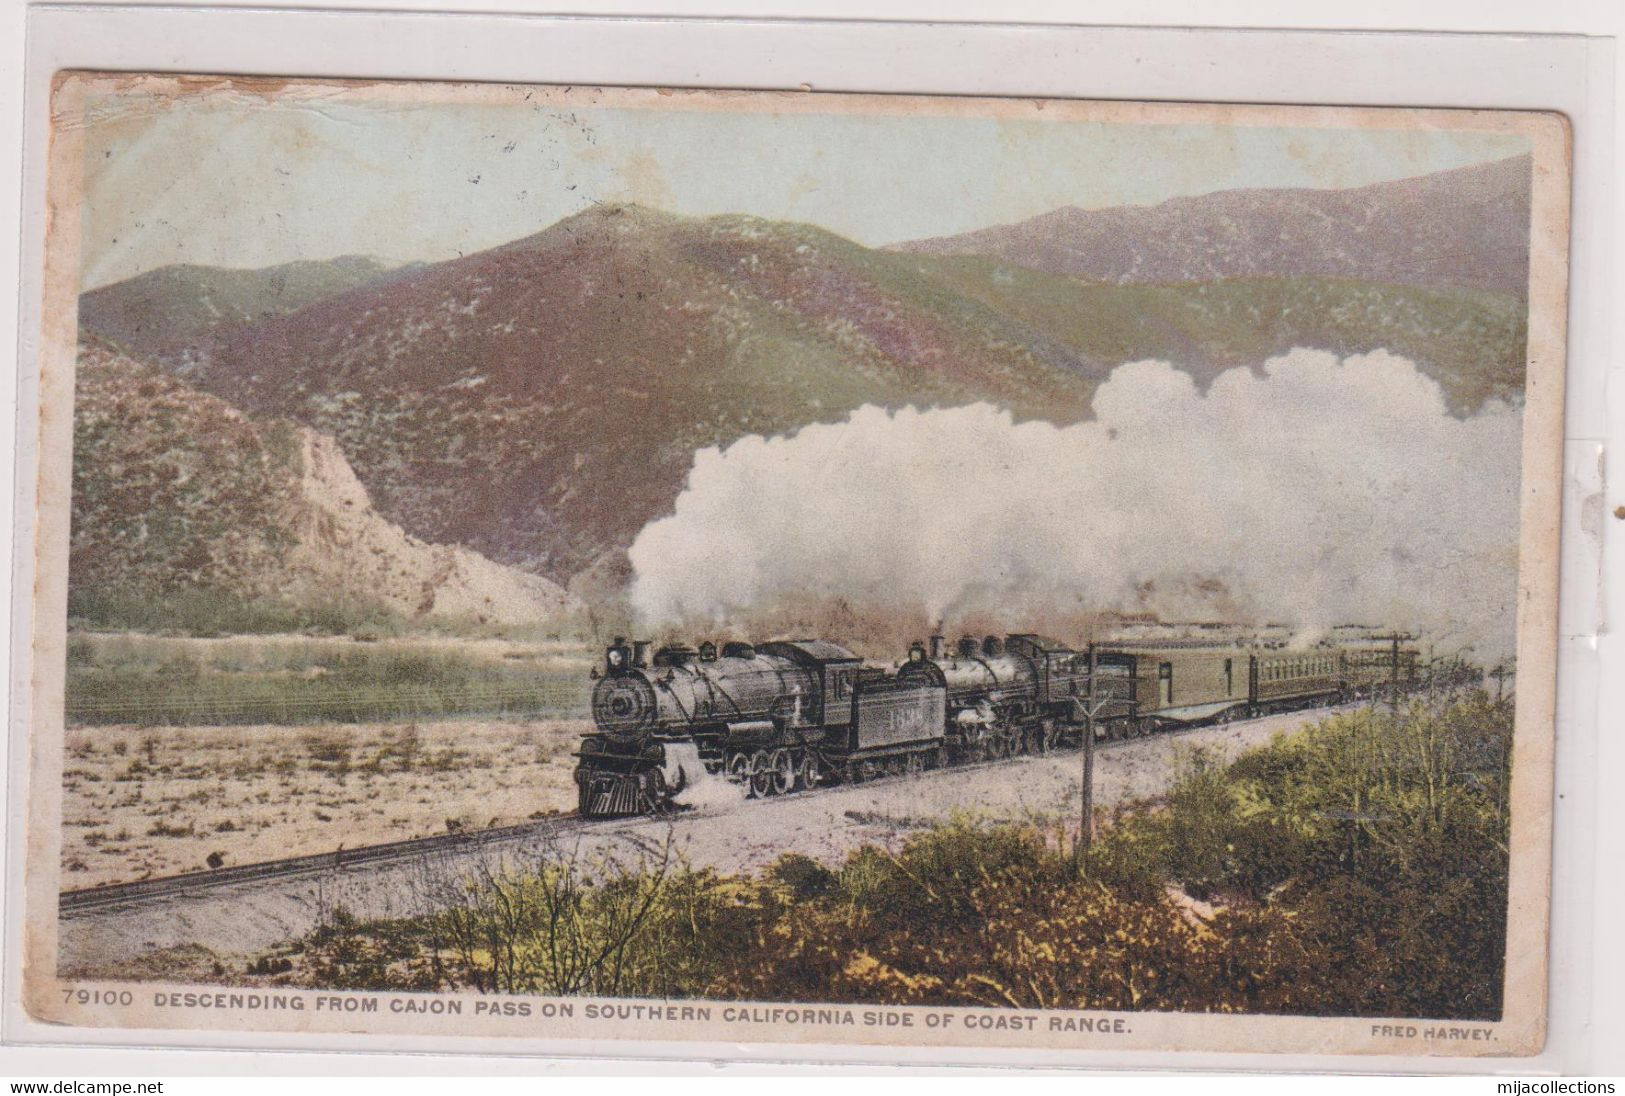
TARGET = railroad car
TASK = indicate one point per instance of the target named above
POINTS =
(1375, 667)
(1181, 683)
(1178, 683)
(1286, 680)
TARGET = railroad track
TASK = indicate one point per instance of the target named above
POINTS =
(79, 902)
(75, 902)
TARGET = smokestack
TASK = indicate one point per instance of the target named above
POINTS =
(936, 647)
(640, 652)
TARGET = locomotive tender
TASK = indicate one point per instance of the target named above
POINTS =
(790, 715)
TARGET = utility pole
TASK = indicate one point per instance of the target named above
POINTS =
(1500, 674)
(1086, 825)
(1393, 670)
(1393, 677)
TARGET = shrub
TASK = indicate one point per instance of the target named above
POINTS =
(803, 876)
(1358, 868)
(935, 875)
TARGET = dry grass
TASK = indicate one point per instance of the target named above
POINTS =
(294, 680)
(145, 801)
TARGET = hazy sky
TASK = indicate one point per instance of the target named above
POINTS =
(232, 181)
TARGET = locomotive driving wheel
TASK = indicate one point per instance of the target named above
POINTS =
(761, 775)
(1049, 735)
(782, 771)
(739, 770)
(807, 771)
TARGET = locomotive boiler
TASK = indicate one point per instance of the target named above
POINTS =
(1015, 694)
(774, 718)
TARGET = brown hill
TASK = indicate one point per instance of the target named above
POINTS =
(542, 401)
(177, 493)
(1467, 228)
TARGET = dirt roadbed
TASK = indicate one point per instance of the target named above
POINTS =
(730, 836)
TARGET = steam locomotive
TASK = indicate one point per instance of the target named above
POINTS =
(790, 715)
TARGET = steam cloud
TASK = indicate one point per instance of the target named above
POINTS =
(1311, 493)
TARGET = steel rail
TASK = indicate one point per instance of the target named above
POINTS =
(74, 902)
(142, 891)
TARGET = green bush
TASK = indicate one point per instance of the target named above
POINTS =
(803, 877)
(934, 877)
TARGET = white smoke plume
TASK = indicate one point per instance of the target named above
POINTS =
(685, 771)
(1311, 492)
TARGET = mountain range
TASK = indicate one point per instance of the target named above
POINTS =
(540, 402)
(1467, 228)
(161, 311)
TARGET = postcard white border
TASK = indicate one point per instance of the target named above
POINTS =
(1073, 62)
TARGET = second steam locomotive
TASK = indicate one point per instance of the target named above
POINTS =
(789, 715)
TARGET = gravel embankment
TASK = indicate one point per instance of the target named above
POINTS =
(731, 837)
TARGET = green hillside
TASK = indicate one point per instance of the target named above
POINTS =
(154, 313)
(1470, 341)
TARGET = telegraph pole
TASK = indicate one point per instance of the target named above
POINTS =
(1086, 824)
(1393, 670)
(1500, 674)
(1393, 677)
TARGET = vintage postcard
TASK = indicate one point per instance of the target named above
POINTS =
(792, 569)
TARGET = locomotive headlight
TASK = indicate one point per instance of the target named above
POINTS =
(617, 658)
